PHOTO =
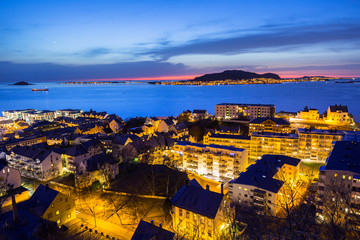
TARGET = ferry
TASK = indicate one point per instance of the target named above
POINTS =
(40, 90)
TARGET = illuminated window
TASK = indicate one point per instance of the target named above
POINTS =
(180, 213)
(69, 215)
(58, 221)
(245, 189)
(57, 212)
(68, 207)
(52, 205)
(335, 175)
(349, 177)
(344, 176)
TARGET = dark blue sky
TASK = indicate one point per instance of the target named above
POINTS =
(73, 40)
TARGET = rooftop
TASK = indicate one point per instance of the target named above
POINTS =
(345, 157)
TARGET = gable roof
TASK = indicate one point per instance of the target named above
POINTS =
(198, 111)
(338, 108)
(41, 200)
(261, 173)
(148, 231)
(198, 200)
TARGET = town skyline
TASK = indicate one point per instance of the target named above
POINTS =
(176, 41)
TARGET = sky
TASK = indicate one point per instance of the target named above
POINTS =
(118, 40)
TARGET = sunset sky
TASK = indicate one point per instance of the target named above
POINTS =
(78, 40)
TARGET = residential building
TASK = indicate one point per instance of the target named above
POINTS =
(197, 212)
(338, 115)
(35, 162)
(239, 110)
(235, 140)
(215, 160)
(26, 141)
(149, 231)
(273, 143)
(338, 192)
(198, 114)
(9, 179)
(263, 186)
(266, 124)
(72, 113)
(315, 144)
(42, 115)
(17, 114)
(308, 114)
(52, 205)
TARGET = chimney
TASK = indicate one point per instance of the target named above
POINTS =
(152, 223)
(207, 187)
(160, 226)
(222, 188)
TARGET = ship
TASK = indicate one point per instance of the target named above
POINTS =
(40, 90)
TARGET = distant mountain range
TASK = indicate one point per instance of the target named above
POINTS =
(234, 75)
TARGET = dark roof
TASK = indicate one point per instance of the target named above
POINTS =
(338, 108)
(345, 157)
(29, 151)
(230, 136)
(96, 161)
(43, 154)
(121, 139)
(261, 173)
(247, 104)
(275, 135)
(41, 200)
(148, 231)
(187, 143)
(278, 121)
(198, 200)
(76, 150)
(320, 131)
(2, 166)
(199, 111)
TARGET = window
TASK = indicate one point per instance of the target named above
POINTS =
(245, 195)
(180, 213)
(66, 199)
(59, 199)
(68, 207)
(349, 177)
(269, 194)
(245, 189)
(335, 175)
(49, 215)
(58, 221)
(52, 205)
(57, 212)
(344, 176)
(69, 215)
(269, 201)
(187, 215)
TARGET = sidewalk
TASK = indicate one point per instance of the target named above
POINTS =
(114, 231)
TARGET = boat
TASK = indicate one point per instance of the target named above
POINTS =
(40, 90)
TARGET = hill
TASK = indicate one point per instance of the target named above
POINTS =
(22, 83)
(234, 75)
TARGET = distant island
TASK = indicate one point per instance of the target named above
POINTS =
(234, 77)
(93, 82)
(22, 83)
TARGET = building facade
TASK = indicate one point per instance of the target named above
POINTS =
(276, 125)
(250, 111)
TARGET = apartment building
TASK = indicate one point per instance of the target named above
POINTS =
(237, 141)
(265, 184)
(315, 145)
(219, 161)
(308, 114)
(338, 114)
(273, 143)
(250, 111)
(338, 193)
(267, 124)
(198, 213)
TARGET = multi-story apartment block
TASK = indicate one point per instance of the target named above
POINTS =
(47, 115)
(315, 145)
(237, 141)
(35, 162)
(273, 143)
(266, 124)
(219, 161)
(265, 185)
(338, 114)
(17, 114)
(198, 114)
(338, 194)
(72, 113)
(198, 213)
(250, 111)
(308, 114)
(27, 141)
